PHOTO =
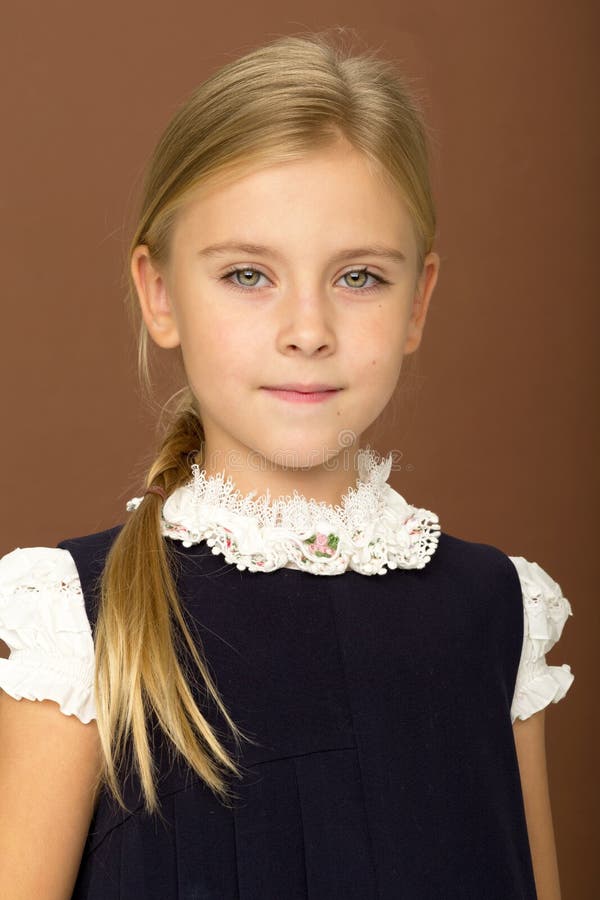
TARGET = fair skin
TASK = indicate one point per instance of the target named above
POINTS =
(48, 765)
(304, 322)
(530, 743)
(293, 314)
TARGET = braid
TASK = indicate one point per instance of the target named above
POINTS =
(184, 439)
(132, 665)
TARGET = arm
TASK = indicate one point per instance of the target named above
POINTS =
(529, 735)
(49, 763)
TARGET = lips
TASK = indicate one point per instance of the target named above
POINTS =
(302, 388)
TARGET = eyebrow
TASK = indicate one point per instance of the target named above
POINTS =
(377, 250)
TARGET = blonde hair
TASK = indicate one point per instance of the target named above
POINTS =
(275, 103)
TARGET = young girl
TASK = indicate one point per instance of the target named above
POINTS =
(217, 719)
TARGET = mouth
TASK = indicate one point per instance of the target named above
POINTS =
(312, 388)
(302, 393)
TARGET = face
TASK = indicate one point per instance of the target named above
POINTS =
(305, 307)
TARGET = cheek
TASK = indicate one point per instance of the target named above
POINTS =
(217, 349)
(377, 351)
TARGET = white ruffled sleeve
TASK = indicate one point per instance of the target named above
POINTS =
(545, 612)
(44, 622)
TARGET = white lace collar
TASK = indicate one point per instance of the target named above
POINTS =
(374, 527)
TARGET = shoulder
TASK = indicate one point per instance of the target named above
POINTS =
(44, 623)
(90, 552)
(543, 607)
(534, 584)
(476, 562)
(91, 549)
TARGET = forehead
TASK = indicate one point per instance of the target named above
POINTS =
(336, 188)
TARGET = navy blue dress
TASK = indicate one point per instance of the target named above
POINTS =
(384, 765)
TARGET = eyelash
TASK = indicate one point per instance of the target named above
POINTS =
(361, 290)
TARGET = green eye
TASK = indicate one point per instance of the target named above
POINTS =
(244, 273)
(231, 277)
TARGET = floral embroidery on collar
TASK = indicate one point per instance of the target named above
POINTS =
(373, 530)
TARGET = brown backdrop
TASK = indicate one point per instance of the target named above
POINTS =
(496, 430)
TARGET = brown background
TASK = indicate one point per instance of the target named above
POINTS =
(497, 429)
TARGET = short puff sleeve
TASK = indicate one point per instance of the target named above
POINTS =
(545, 612)
(44, 622)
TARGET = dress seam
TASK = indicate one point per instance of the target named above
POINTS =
(194, 780)
(302, 826)
(266, 762)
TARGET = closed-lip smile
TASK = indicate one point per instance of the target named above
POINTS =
(301, 388)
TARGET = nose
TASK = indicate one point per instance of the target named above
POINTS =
(306, 326)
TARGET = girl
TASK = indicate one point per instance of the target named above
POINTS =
(214, 721)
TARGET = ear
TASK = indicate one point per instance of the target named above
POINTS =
(156, 307)
(425, 285)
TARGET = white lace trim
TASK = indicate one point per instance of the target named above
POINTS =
(373, 530)
(545, 611)
(44, 622)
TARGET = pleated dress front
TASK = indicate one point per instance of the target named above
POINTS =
(384, 764)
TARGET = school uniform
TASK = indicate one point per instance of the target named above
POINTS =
(380, 699)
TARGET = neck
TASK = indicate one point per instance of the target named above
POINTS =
(324, 483)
